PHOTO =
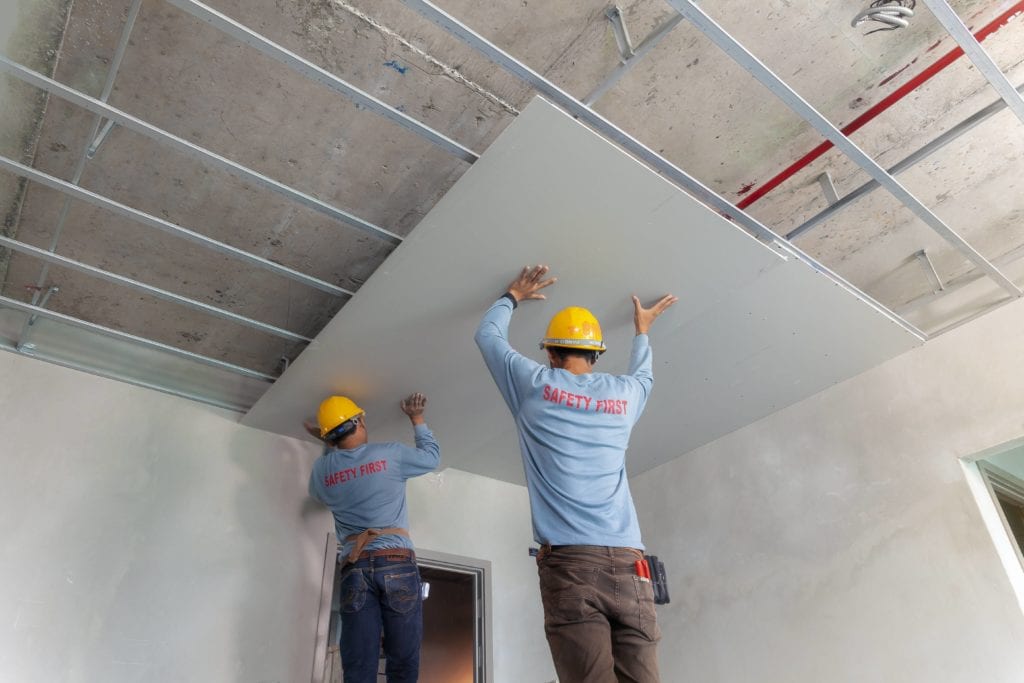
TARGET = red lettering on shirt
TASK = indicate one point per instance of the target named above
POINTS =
(610, 406)
(350, 473)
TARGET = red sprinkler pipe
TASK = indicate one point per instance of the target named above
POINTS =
(884, 104)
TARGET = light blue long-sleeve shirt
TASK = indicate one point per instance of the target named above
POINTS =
(573, 435)
(365, 487)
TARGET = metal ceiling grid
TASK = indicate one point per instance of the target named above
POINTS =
(578, 108)
(742, 56)
(973, 49)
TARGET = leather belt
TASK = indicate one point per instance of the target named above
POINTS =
(404, 553)
(361, 539)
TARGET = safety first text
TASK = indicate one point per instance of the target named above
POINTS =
(351, 473)
(613, 406)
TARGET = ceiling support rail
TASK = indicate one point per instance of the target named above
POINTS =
(628, 63)
(108, 87)
(976, 53)
(244, 34)
(961, 281)
(81, 367)
(166, 226)
(706, 25)
(6, 302)
(180, 144)
(65, 262)
(905, 163)
(630, 144)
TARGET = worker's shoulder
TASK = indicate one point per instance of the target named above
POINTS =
(604, 378)
(376, 448)
(609, 382)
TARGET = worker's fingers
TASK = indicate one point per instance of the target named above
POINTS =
(414, 401)
(536, 284)
(664, 303)
(537, 272)
(547, 283)
(312, 428)
(659, 307)
(533, 293)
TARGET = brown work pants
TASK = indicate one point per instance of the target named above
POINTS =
(598, 615)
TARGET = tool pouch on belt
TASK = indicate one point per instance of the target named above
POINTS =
(659, 581)
(365, 537)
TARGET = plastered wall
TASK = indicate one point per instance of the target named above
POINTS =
(836, 540)
(147, 538)
(474, 516)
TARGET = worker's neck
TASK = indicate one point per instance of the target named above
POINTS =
(574, 364)
(352, 441)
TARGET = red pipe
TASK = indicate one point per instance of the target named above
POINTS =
(877, 109)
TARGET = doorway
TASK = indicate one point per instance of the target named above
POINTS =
(457, 642)
(996, 478)
(453, 648)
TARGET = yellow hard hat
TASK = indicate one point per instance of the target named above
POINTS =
(574, 328)
(336, 411)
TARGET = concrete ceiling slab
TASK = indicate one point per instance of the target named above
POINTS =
(753, 331)
(685, 99)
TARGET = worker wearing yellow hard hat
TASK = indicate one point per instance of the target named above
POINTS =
(337, 417)
(574, 328)
(574, 427)
(363, 484)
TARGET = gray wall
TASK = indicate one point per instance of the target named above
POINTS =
(837, 540)
(145, 537)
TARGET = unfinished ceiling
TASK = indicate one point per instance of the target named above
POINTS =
(341, 163)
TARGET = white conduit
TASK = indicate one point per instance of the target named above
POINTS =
(894, 16)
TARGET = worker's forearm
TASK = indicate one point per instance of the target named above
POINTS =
(494, 325)
(641, 361)
(428, 448)
(417, 420)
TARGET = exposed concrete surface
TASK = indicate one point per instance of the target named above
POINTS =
(686, 100)
(31, 32)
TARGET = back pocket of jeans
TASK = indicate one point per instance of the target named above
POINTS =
(353, 591)
(403, 590)
(647, 618)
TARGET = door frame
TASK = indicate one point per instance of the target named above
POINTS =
(480, 570)
(981, 478)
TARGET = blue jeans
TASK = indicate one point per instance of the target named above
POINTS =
(381, 593)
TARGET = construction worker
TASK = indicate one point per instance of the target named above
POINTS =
(574, 426)
(364, 486)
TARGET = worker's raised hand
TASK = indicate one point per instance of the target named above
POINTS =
(530, 281)
(414, 405)
(313, 429)
(644, 317)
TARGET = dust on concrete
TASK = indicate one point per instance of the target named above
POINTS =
(34, 40)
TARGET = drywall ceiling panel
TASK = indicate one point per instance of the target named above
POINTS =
(752, 332)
